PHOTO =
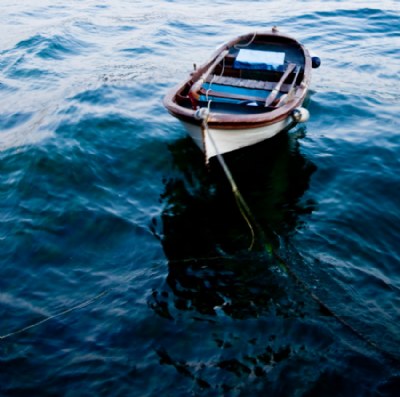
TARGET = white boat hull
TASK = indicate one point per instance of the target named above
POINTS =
(227, 140)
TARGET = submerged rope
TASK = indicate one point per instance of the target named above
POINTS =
(252, 224)
(63, 313)
(241, 203)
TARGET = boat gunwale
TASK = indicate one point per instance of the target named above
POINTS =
(240, 121)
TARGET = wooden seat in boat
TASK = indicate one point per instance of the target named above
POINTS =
(246, 83)
(228, 87)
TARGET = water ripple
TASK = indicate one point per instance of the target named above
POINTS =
(103, 195)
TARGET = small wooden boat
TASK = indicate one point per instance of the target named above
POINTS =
(252, 88)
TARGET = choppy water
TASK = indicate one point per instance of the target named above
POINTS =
(111, 223)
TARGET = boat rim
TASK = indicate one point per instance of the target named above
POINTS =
(239, 121)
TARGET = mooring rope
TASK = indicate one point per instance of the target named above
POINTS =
(241, 203)
(243, 207)
(212, 81)
(63, 313)
(252, 224)
(239, 46)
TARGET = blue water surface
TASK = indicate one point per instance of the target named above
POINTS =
(125, 267)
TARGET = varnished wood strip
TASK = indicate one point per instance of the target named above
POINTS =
(272, 96)
(229, 95)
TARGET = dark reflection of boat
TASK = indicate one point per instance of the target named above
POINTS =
(241, 325)
(206, 239)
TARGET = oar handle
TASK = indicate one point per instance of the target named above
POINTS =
(271, 97)
(194, 92)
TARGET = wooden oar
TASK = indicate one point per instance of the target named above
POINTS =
(194, 93)
(271, 97)
(293, 85)
(292, 88)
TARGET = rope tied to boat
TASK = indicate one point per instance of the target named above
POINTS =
(239, 46)
(203, 115)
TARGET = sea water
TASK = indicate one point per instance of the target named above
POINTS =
(126, 266)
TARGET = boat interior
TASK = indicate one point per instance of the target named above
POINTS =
(255, 75)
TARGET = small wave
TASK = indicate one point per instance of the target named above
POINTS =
(99, 191)
(30, 134)
(8, 121)
(53, 47)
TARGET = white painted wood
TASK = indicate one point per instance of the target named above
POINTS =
(229, 140)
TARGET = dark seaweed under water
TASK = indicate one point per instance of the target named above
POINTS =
(131, 258)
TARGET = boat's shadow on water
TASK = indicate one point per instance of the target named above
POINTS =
(201, 209)
(206, 237)
(253, 324)
(212, 275)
